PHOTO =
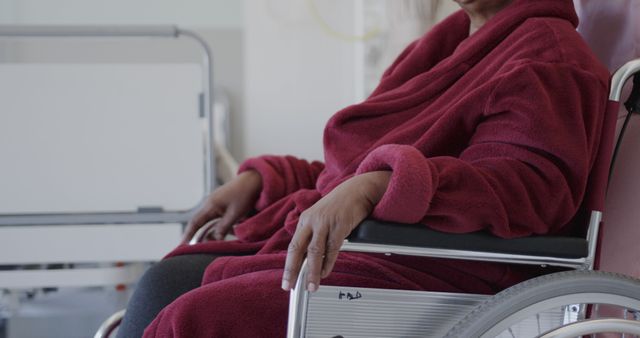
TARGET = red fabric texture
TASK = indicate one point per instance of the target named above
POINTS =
(284, 175)
(496, 131)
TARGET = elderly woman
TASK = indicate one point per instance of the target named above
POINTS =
(489, 122)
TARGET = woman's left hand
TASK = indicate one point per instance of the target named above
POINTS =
(323, 227)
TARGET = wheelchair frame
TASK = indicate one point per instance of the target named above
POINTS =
(299, 300)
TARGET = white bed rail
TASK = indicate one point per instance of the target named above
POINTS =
(134, 31)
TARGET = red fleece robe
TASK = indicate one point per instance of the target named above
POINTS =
(495, 131)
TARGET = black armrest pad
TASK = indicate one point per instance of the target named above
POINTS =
(419, 235)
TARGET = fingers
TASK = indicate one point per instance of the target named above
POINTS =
(295, 256)
(219, 230)
(222, 228)
(315, 257)
(332, 249)
(321, 247)
(201, 218)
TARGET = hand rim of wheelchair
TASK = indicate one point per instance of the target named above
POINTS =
(109, 325)
(595, 326)
(505, 309)
(202, 233)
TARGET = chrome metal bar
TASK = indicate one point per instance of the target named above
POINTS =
(221, 98)
(54, 31)
(201, 234)
(48, 31)
(298, 304)
(575, 263)
(109, 325)
(621, 76)
(299, 297)
(610, 325)
(207, 80)
(592, 238)
(95, 218)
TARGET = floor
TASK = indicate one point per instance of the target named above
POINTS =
(63, 313)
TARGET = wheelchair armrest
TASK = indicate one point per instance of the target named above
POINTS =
(418, 235)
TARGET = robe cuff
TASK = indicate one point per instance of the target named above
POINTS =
(412, 185)
(273, 185)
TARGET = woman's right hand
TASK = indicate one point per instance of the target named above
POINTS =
(230, 202)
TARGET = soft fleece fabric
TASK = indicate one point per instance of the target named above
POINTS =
(495, 131)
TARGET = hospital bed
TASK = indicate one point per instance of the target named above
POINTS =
(46, 250)
(564, 304)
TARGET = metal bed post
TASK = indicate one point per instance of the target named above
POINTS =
(147, 31)
(207, 80)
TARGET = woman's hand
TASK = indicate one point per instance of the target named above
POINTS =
(323, 227)
(230, 202)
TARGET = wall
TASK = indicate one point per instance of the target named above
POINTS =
(285, 73)
(296, 74)
(292, 78)
(299, 71)
(402, 21)
(192, 13)
(219, 22)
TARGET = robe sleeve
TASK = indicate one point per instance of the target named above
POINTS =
(281, 176)
(525, 169)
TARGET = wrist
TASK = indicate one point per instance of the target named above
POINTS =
(375, 185)
(252, 179)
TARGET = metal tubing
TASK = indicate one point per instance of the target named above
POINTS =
(95, 218)
(575, 263)
(107, 327)
(299, 297)
(49, 31)
(207, 80)
(201, 234)
(592, 238)
(46, 31)
(621, 76)
(610, 325)
(298, 303)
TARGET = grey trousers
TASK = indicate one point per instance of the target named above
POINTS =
(159, 286)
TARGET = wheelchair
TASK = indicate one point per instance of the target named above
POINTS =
(572, 303)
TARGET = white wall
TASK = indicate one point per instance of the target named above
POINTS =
(296, 75)
(207, 13)
(219, 22)
(272, 55)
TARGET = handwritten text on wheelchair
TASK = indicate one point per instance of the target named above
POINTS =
(349, 295)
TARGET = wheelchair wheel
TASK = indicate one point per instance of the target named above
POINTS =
(501, 315)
